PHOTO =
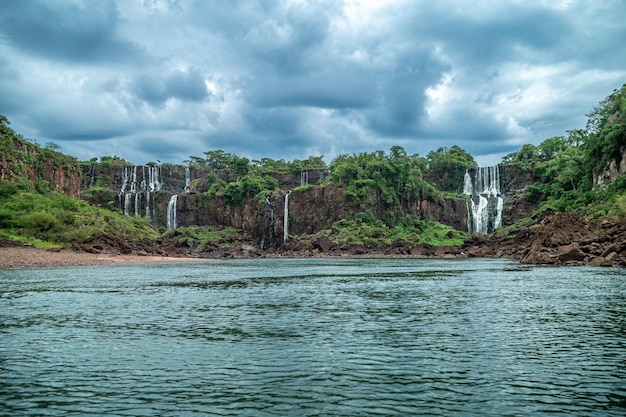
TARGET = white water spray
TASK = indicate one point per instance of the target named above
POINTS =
(286, 219)
(171, 212)
(187, 179)
(486, 201)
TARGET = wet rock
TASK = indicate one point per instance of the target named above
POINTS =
(571, 252)
(324, 243)
(600, 261)
(540, 257)
(423, 249)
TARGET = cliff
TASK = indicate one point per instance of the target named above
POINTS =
(615, 169)
(146, 191)
(44, 168)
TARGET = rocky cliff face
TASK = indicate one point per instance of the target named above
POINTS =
(145, 190)
(615, 170)
(24, 159)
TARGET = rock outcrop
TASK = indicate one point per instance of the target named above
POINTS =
(26, 160)
(557, 239)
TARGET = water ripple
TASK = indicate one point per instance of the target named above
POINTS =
(310, 338)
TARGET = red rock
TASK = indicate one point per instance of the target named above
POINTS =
(571, 252)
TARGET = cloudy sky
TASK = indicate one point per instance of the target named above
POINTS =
(152, 80)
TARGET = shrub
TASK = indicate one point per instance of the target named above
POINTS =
(40, 222)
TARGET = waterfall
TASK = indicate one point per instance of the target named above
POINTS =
(133, 180)
(128, 202)
(148, 212)
(92, 179)
(268, 237)
(304, 178)
(486, 199)
(286, 219)
(171, 212)
(124, 180)
(187, 179)
(137, 204)
(467, 184)
(154, 178)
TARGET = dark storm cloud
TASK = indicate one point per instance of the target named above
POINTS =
(493, 33)
(184, 85)
(165, 79)
(401, 101)
(330, 90)
(65, 31)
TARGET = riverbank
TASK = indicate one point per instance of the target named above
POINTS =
(30, 257)
(553, 239)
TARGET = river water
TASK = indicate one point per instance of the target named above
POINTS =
(327, 337)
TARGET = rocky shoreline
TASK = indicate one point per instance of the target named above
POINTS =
(557, 239)
(553, 239)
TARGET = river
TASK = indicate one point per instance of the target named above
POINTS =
(313, 337)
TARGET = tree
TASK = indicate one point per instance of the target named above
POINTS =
(607, 132)
(53, 146)
(447, 167)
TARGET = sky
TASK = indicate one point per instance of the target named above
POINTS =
(163, 80)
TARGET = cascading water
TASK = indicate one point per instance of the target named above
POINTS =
(92, 179)
(154, 178)
(304, 178)
(187, 179)
(171, 212)
(286, 219)
(268, 238)
(133, 193)
(486, 201)
(137, 204)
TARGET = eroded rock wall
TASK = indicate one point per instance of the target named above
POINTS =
(27, 160)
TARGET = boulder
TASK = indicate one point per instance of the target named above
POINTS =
(571, 252)
(600, 261)
(540, 257)
(324, 242)
(423, 249)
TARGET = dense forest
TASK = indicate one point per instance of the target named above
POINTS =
(582, 171)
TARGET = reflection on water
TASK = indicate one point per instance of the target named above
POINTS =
(334, 337)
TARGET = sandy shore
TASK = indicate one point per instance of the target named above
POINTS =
(29, 257)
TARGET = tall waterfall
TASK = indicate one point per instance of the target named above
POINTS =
(92, 176)
(304, 178)
(486, 199)
(286, 219)
(171, 212)
(187, 179)
(133, 193)
(268, 238)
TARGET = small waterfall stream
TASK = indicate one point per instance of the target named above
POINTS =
(171, 212)
(486, 201)
(304, 178)
(286, 219)
(187, 179)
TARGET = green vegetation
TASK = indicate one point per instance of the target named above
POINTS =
(99, 196)
(248, 186)
(237, 166)
(235, 192)
(447, 167)
(567, 168)
(394, 178)
(106, 162)
(24, 157)
(52, 220)
(569, 172)
(366, 231)
(207, 236)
